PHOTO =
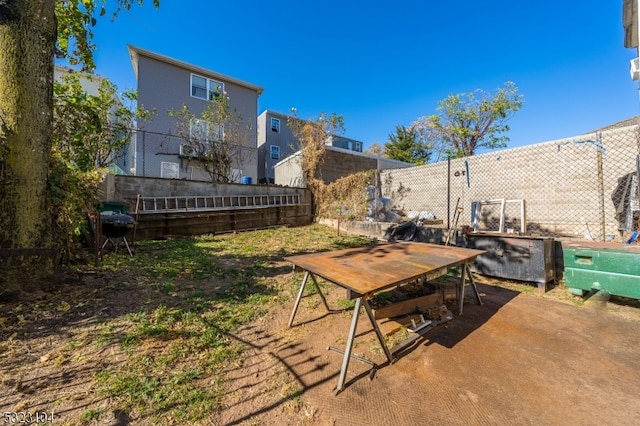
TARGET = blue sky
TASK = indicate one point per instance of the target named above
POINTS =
(380, 64)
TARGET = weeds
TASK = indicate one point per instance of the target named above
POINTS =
(202, 289)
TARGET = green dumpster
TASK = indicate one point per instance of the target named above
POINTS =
(614, 268)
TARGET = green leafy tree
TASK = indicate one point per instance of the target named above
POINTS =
(90, 132)
(31, 32)
(94, 130)
(470, 121)
(219, 137)
(403, 145)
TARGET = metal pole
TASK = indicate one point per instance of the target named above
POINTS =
(324, 301)
(463, 273)
(638, 175)
(144, 150)
(449, 193)
(295, 306)
(383, 344)
(349, 347)
(601, 187)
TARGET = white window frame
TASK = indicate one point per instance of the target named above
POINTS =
(205, 131)
(169, 170)
(274, 152)
(275, 125)
(235, 175)
(213, 88)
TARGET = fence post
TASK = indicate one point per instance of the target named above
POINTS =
(449, 193)
(603, 222)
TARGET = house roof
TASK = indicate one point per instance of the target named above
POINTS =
(274, 113)
(633, 121)
(136, 52)
(348, 152)
(374, 157)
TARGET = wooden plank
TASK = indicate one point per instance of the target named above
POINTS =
(392, 325)
(406, 306)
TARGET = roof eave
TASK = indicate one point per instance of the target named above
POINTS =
(135, 52)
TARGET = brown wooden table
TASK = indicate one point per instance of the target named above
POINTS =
(364, 271)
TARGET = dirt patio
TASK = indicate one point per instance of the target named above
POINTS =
(521, 358)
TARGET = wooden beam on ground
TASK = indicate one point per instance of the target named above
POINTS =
(406, 306)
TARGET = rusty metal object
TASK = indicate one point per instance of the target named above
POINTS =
(373, 268)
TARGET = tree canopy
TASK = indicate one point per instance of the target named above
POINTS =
(32, 32)
(467, 122)
(403, 145)
(76, 19)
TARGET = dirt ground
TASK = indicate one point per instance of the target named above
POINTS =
(521, 358)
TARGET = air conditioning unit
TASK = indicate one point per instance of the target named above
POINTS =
(188, 151)
(634, 69)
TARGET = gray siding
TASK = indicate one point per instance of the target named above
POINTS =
(266, 137)
(165, 85)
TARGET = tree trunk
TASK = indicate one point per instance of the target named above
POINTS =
(27, 36)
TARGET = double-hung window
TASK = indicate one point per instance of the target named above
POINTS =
(275, 152)
(205, 88)
(275, 125)
(205, 131)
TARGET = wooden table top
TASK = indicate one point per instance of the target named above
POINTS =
(373, 268)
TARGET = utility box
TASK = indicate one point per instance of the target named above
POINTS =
(515, 257)
(612, 267)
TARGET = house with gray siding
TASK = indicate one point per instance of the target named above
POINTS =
(277, 142)
(345, 143)
(165, 84)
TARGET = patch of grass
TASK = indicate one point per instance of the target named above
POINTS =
(201, 291)
(382, 298)
(346, 303)
(91, 414)
(451, 274)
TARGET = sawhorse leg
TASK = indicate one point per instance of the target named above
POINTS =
(301, 292)
(466, 272)
(352, 331)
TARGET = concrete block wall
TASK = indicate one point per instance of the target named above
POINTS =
(154, 225)
(567, 185)
(338, 164)
(127, 188)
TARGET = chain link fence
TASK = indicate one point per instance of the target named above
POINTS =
(170, 156)
(585, 187)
